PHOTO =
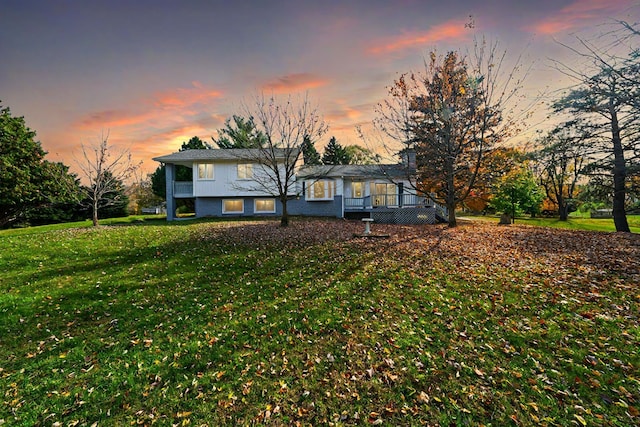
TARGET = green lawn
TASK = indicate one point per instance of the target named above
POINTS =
(574, 222)
(244, 323)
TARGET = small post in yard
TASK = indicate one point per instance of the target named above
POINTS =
(367, 226)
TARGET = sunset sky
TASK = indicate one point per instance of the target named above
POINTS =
(154, 73)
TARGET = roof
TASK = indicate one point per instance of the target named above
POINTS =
(354, 171)
(187, 157)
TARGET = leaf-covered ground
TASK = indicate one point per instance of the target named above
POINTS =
(246, 323)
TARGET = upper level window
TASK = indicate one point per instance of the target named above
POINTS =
(245, 171)
(321, 190)
(205, 171)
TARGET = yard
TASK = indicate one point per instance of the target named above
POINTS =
(245, 323)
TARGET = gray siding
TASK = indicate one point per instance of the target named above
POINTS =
(212, 207)
(330, 208)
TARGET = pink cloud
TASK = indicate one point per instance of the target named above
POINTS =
(450, 30)
(158, 108)
(576, 14)
(179, 98)
(157, 124)
(294, 83)
(112, 119)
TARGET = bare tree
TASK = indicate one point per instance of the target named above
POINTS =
(560, 163)
(451, 116)
(105, 169)
(607, 95)
(285, 123)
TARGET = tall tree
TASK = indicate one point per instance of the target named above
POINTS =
(242, 133)
(309, 153)
(284, 122)
(607, 96)
(27, 180)
(451, 115)
(335, 153)
(560, 163)
(105, 169)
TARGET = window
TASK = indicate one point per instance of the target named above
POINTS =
(321, 190)
(264, 206)
(205, 171)
(358, 189)
(384, 194)
(233, 206)
(245, 171)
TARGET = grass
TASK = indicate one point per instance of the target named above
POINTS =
(245, 323)
(575, 222)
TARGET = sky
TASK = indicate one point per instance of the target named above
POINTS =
(151, 74)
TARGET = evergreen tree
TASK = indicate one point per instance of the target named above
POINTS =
(335, 154)
(241, 134)
(28, 181)
(309, 152)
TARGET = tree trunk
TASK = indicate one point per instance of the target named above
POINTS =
(452, 214)
(95, 214)
(563, 209)
(450, 197)
(619, 174)
(284, 219)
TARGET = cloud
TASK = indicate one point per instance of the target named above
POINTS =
(294, 83)
(162, 107)
(345, 113)
(112, 119)
(450, 30)
(158, 123)
(576, 14)
(181, 98)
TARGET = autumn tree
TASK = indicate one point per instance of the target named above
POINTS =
(606, 95)
(335, 154)
(241, 133)
(284, 122)
(498, 162)
(141, 194)
(105, 169)
(560, 163)
(28, 182)
(451, 114)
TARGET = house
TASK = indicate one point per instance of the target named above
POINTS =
(234, 182)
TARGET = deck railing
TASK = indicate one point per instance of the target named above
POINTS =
(182, 189)
(386, 200)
